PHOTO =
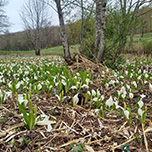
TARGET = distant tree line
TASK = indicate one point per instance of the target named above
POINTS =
(19, 41)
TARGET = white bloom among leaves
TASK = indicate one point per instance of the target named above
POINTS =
(142, 96)
(22, 100)
(102, 97)
(150, 87)
(95, 99)
(45, 122)
(85, 86)
(124, 94)
(58, 96)
(93, 92)
(75, 99)
(109, 102)
(89, 93)
(8, 94)
(39, 86)
(126, 112)
(73, 87)
(128, 86)
(135, 84)
(63, 82)
(88, 81)
(140, 112)
(116, 104)
(140, 103)
(131, 95)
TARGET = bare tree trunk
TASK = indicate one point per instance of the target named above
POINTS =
(67, 55)
(37, 52)
(37, 41)
(100, 27)
(97, 25)
(131, 41)
(82, 27)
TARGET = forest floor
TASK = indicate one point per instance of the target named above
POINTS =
(88, 126)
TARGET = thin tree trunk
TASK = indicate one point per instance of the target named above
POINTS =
(102, 29)
(37, 41)
(97, 25)
(82, 27)
(131, 41)
(37, 51)
(67, 55)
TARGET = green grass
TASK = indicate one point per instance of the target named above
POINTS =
(146, 37)
(138, 45)
(16, 52)
(58, 50)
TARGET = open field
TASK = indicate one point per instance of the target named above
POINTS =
(46, 105)
(146, 37)
(58, 50)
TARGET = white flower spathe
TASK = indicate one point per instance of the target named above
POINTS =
(116, 104)
(126, 72)
(46, 122)
(95, 99)
(75, 99)
(124, 94)
(142, 96)
(146, 75)
(139, 77)
(78, 84)
(78, 74)
(58, 97)
(140, 103)
(123, 89)
(63, 82)
(22, 100)
(121, 77)
(89, 93)
(8, 94)
(135, 84)
(85, 86)
(93, 92)
(128, 86)
(109, 102)
(73, 87)
(112, 82)
(131, 95)
(18, 85)
(50, 87)
(39, 86)
(150, 87)
(126, 112)
(140, 112)
(88, 81)
(102, 97)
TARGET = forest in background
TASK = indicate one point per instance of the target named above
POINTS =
(50, 36)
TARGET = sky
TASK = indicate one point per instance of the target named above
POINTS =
(12, 11)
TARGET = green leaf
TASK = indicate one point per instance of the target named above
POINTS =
(105, 80)
(78, 148)
(35, 112)
(116, 94)
(31, 120)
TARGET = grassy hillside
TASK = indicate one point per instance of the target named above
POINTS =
(58, 50)
(146, 37)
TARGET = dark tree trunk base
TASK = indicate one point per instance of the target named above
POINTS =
(37, 52)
